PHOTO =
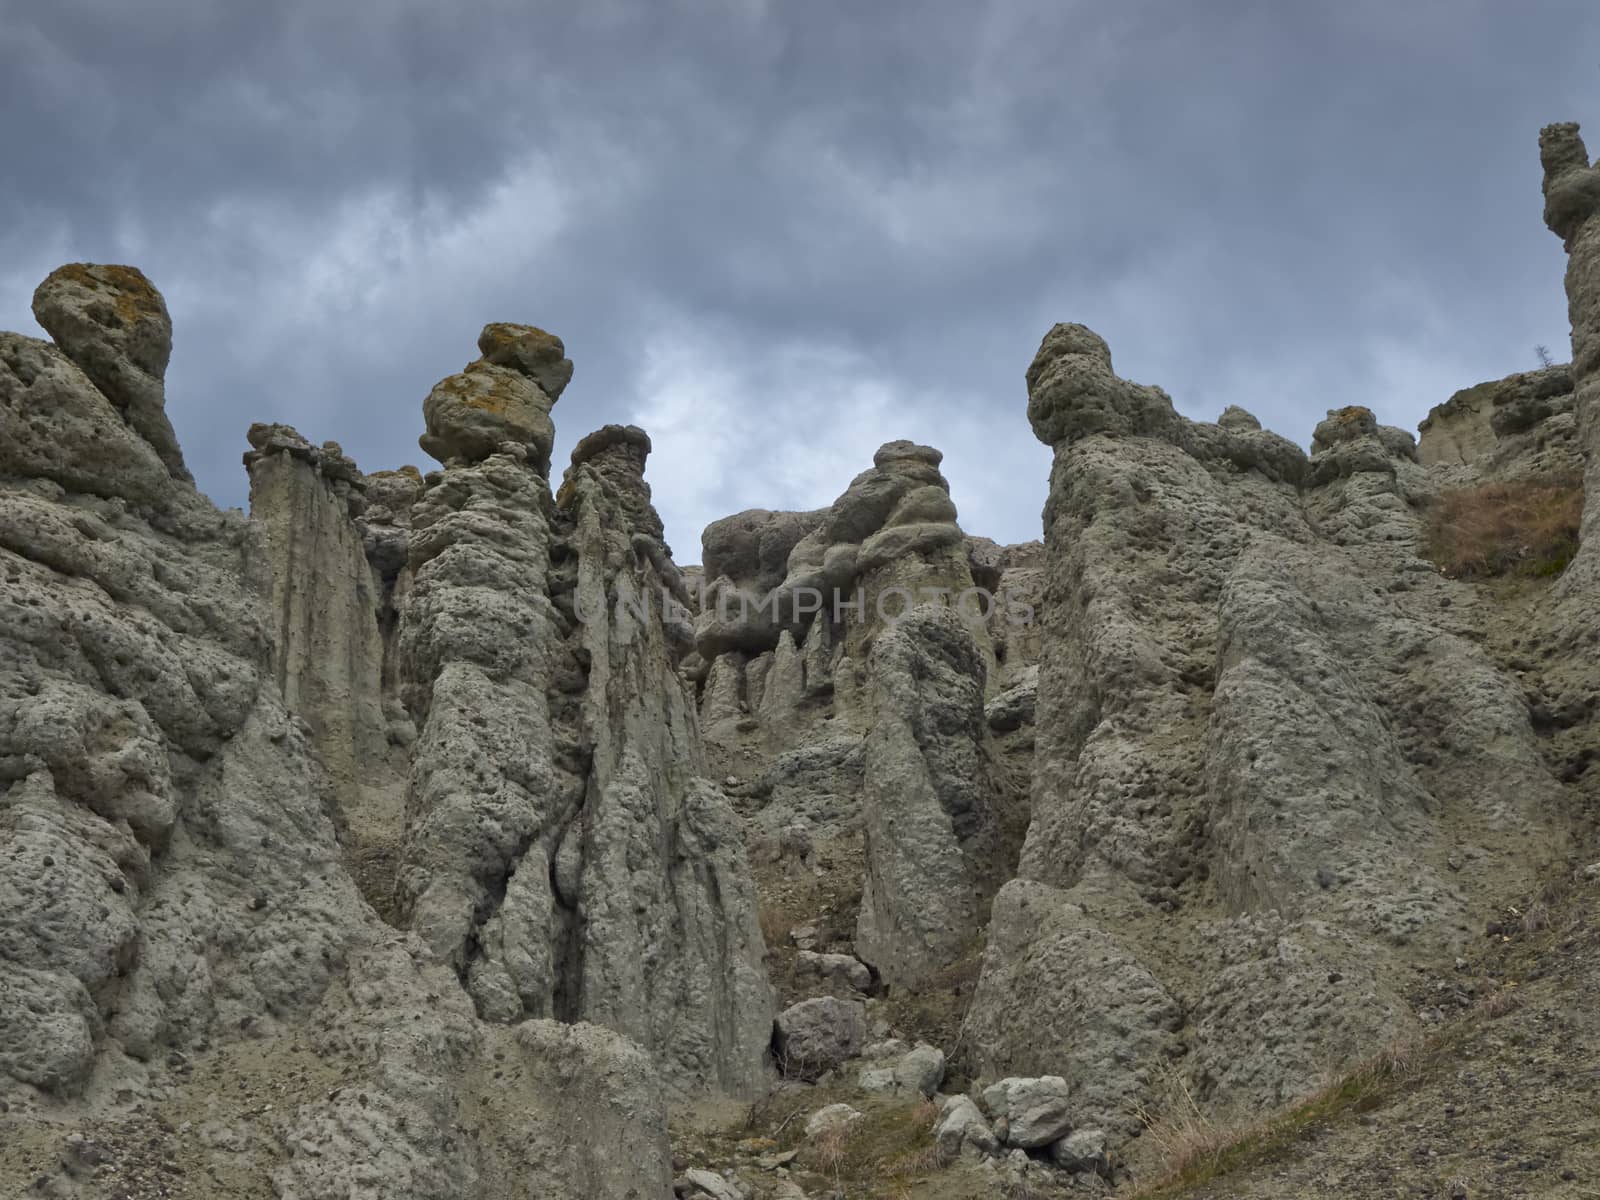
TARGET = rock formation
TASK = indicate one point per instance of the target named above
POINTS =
(927, 799)
(1520, 426)
(1235, 724)
(171, 875)
(398, 839)
(327, 606)
(563, 850)
(794, 600)
(1572, 212)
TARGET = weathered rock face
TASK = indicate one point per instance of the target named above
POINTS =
(172, 889)
(564, 851)
(1246, 703)
(114, 325)
(326, 608)
(1522, 425)
(503, 397)
(1572, 212)
(928, 810)
(670, 951)
(154, 786)
(794, 600)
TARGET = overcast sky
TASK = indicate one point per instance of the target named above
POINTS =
(779, 234)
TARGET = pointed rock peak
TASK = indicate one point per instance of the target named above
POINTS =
(1343, 425)
(1073, 393)
(113, 324)
(1571, 185)
(627, 443)
(500, 401)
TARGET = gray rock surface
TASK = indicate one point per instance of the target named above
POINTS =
(817, 1035)
(830, 580)
(565, 851)
(174, 904)
(503, 397)
(114, 325)
(1572, 213)
(843, 968)
(1036, 1111)
(1248, 702)
(962, 1131)
(898, 1071)
(926, 799)
(1522, 425)
(1082, 1150)
(830, 1118)
(326, 604)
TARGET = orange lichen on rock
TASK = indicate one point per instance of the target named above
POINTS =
(133, 297)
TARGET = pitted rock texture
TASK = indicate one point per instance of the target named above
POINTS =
(927, 800)
(564, 850)
(793, 601)
(1522, 425)
(173, 898)
(114, 324)
(1572, 213)
(503, 397)
(1246, 704)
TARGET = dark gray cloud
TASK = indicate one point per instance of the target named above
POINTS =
(778, 234)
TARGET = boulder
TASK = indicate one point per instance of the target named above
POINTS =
(113, 323)
(962, 1131)
(1082, 1150)
(917, 1071)
(817, 1035)
(1036, 1111)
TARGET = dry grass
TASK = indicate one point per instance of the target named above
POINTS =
(1195, 1149)
(775, 926)
(1524, 527)
(1497, 1003)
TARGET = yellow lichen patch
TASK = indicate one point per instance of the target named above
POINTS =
(134, 297)
(1353, 414)
(498, 334)
(482, 387)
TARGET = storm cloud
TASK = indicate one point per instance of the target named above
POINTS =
(776, 235)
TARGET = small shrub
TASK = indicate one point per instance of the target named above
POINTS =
(1523, 527)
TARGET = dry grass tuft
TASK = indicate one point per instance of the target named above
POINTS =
(1536, 919)
(775, 926)
(1523, 527)
(1195, 1149)
(1497, 1003)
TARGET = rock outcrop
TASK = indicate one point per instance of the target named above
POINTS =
(114, 325)
(927, 800)
(327, 607)
(1247, 704)
(172, 887)
(564, 850)
(794, 600)
(1520, 426)
(397, 839)
(1572, 212)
